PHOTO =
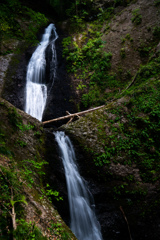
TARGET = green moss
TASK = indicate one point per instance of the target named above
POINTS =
(123, 53)
(137, 17)
(26, 29)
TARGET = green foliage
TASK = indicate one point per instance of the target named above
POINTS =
(105, 14)
(103, 159)
(123, 53)
(144, 50)
(23, 200)
(10, 26)
(37, 20)
(37, 134)
(8, 11)
(127, 37)
(157, 2)
(49, 192)
(9, 185)
(134, 140)
(81, 86)
(90, 62)
(27, 231)
(3, 147)
(31, 168)
(156, 32)
(24, 127)
(58, 230)
(93, 97)
(137, 17)
(66, 43)
(21, 143)
(81, 12)
(149, 70)
(14, 118)
(85, 56)
(16, 121)
(137, 194)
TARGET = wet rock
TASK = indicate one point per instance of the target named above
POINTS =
(4, 63)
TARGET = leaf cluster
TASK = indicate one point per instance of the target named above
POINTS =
(92, 65)
(28, 231)
(19, 22)
(59, 231)
(137, 17)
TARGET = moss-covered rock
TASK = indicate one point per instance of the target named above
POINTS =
(22, 152)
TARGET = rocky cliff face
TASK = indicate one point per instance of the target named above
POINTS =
(115, 139)
(130, 36)
(22, 154)
(119, 179)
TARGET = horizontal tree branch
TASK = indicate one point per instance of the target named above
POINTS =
(73, 115)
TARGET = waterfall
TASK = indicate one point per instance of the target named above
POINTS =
(84, 223)
(83, 219)
(36, 86)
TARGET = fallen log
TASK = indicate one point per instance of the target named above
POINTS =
(73, 115)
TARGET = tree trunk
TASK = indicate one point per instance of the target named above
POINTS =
(73, 115)
(13, 214)
(14, 218)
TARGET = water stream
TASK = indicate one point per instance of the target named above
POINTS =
(83, 221)
(36, 87)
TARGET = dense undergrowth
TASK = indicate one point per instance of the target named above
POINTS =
(22, 175)
(20, 23)
(87, 60)
(89, 63)
(135, 125)
(134, 130)
(126, 150)
(129, 128)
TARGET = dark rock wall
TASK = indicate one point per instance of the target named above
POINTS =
(61, 96)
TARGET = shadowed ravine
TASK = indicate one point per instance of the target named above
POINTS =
(83, 221)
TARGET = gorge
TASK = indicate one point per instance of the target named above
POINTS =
(83, 220)
(110, 50)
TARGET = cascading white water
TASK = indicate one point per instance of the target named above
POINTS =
(84, 223)
(36, 88)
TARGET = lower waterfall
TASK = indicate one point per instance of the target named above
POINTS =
(83, 221)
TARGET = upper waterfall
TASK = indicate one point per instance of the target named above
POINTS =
(36, 86)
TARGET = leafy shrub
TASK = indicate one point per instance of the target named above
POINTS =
(92, 97)
(58, 230)
(123, 53)
(90, 62)
(156, 31)
(137, 17)
(27, 231)
(10, 27)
